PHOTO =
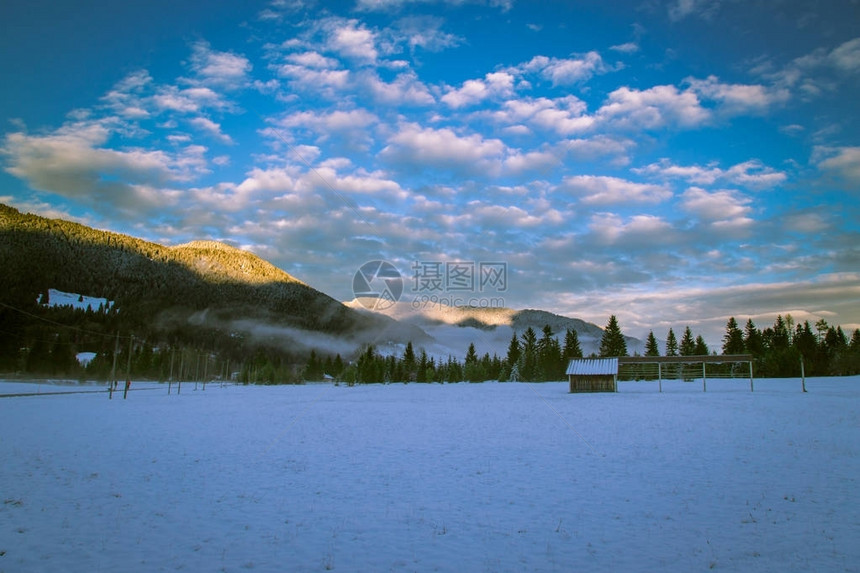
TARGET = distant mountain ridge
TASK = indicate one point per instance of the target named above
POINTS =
(490, 329)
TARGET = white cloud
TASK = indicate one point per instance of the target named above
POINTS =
(807, 222)
(425, 32)
(817, 72)
(390, 5)
(406, 89)
(127, 97)
(273, 180)
(714, 206)
(481, 215)
(680, 302)
(211, 127)
(332, 121)
(324, 81)
(563, 71)
(846, 57)
(692, 173)
(518, 162)
(626, 48)
(639, 230)
(656, 107)
(600, 190)
(496, 84)
(224, 69)
(752, 173)
(360, 182)
(565, 116)
(600, 146)
(171, 99)
(681, 9)
(189, 100)
(74, 162)
(353, 40)
(443, 148)
(842, 162)
(739, 98)
(312, 60)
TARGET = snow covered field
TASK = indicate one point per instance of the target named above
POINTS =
(480, 477)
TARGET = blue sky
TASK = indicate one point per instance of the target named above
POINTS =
(673, 163)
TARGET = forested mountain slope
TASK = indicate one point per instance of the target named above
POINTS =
(201, 293)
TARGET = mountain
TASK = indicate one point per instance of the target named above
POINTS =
(453, 328)
(209, 295)
(203, 292)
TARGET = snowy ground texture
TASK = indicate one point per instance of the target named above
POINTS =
(462, 477)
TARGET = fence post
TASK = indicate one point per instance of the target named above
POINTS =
(660, 376)
(113, 368)
(170, 380)
(802, 374)
(128, 368)
(704, 379)
(751, 376)
(181, 369)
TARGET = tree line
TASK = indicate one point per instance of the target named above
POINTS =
(529, 358)
(776, 352)
(49, 346)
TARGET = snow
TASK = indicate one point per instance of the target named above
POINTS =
(58, 298)
(85, 358)
(455, 477)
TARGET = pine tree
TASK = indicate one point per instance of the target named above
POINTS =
(701, 347)
(528, 356)
(779, 339)
(471, 366)
(408, 364)
(821, 327)
(651, 348)
(834, 341)
(671, 344)
(688, 344)
(39, 356)
(733, 340)
(549, 356)
(753, 342)
(423, 363)
(313, 369)
(613, 343)
(513, 351)
(572, 349)
(805, 342)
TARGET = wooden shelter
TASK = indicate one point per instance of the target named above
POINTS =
(593, 375)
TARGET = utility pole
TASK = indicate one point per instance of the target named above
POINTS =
(181, 369)
(128, 368)
(112, 382)
(170, 379)
(802, 374)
